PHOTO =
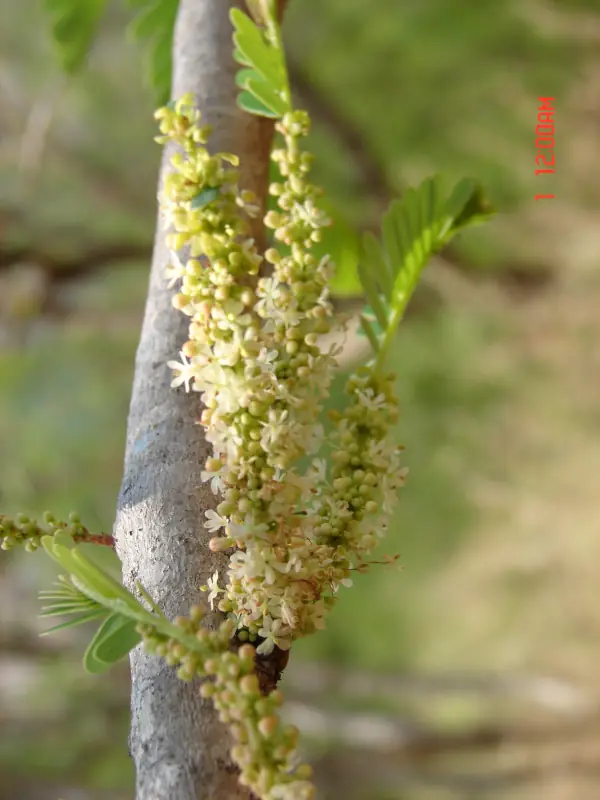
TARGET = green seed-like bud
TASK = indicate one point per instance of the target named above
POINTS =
(304, 772)
(244, 505)
(211, 666)
(268, 725)
(272, 219)
(246, 651)
(249, 685)
(196, 613)
(185, 674)
(256, 409)
(273, 256)
(207, 690)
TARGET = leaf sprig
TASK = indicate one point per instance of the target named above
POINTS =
(413, 229)
(74, 24)
(263, 79)
(154, 25)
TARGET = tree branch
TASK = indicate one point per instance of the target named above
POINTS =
(180, 750)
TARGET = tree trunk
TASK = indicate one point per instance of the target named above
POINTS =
(180, 750)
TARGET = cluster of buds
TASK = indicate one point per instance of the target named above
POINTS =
(263, 748)
(254, 354)
(22, 531)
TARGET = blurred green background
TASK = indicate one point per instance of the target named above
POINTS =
(473, 672)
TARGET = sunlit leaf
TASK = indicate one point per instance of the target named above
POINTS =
(251, 43)
(413, 229)
(74, 24)
(250, 104)
(78, 620)
(266, 95)
(92, 581)
(113, 640)
(264, 79)
(154, 24)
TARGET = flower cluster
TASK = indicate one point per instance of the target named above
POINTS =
(26, 532)
(263, 749)
(254, 355)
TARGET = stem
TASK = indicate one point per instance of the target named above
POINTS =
(272, 12)
(179, 747)
(394, 321)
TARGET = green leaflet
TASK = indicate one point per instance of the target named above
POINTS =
(78, 620)
(205, 196)
(113, 640)
(103, 557)
(96, 584)
(90, 592)
(154, 24)
(250, 41)
(248, 102)
(413, 229)
(264, 79)
(65, 599)
(73, 25)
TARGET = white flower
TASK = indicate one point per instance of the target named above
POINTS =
(227, 353)
(268, 292)
(311, 215)
(223, 383)
(248, 530)
(185, 372)
(270, 632)
(287, 614)
(175, 271)
(389, 488)
(214, 521)
(314, 439)
(266, 358)
(215, 589)
(275, 428)
(378, 453)
(319, 470)
(369, 401)
(290, 314)
(215, 478)
(250, 208)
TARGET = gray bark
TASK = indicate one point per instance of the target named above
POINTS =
(180, 750)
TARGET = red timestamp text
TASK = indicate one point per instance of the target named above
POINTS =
(544, 143)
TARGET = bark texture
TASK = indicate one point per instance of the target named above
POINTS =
(179, 748)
